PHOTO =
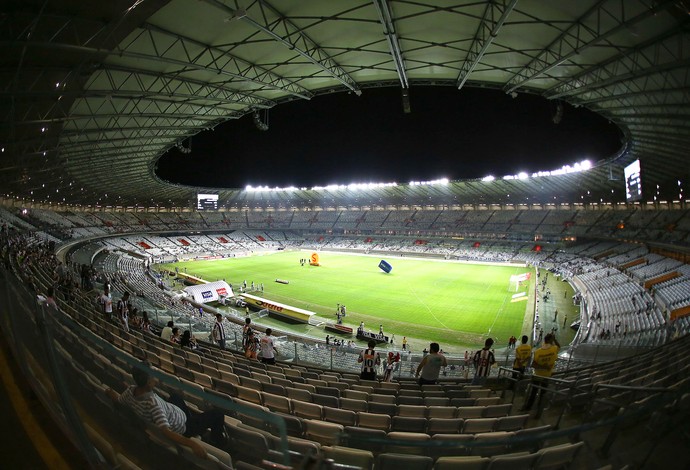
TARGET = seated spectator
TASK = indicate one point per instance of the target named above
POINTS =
(166, 333)
(146, 326)
(175, 420)
(188, 341)
(175, 338)
(134, 318)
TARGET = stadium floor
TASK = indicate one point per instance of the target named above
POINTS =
(29, 438)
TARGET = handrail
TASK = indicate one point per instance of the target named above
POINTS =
(634, 388)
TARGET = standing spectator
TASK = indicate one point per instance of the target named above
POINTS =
(218, 331)
(252, 345)
(431, 364)
(50, 297)
(166, 332)
(268, 349)
(175, 420)
(388, 370)
(370, 360)
(246, 329)
(522, 356)
(483, 360)
(543, 362)
(107, 303)
(404, 343)
(123, 310)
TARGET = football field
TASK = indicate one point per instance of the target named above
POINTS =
(455, 304)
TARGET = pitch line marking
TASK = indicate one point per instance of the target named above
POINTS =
(429, 310)
(500, 310)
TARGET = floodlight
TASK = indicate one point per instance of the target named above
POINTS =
(488, 178)
(522, 175)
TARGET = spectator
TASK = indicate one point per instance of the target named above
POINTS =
(251, 346)
(543, 362)
(50, 298)
(268, 349)
(166, 333)
(404, 343)
(175, 338)
(388, 369)
(483, 360)
(370, 360)
(123, 310)
(107, 303)
(134, 319)
(522, 355)
(245, 332)
(188, 341)
(146, 324)
(175, 420)
(218, 332)
(431, 364)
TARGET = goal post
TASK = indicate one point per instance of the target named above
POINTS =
(517, 279)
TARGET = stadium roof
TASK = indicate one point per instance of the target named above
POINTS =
(95, 92)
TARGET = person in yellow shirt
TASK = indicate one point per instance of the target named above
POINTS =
(543, 362)
(523, 353)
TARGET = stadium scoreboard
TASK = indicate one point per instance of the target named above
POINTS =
(206, 202)
(633, 181)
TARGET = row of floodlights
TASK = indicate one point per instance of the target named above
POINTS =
(566, 169)
(330, 187)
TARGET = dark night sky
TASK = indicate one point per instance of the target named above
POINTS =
(341, 138)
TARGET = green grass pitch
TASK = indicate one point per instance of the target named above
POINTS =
(455, 304)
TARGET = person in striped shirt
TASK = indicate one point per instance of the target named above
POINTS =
(483, 360)
(175, 420)
(370, 361)
(218, 331)
(252, 346)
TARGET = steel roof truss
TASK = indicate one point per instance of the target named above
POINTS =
(604, 19)
(386, 19)
(668, 51)
(495, 14)
(291, 36)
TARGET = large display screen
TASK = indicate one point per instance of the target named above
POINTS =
(207, 202)
(633, 182)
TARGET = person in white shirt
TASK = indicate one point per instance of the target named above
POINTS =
(268, 349)
(107, 304)
(166, 333)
